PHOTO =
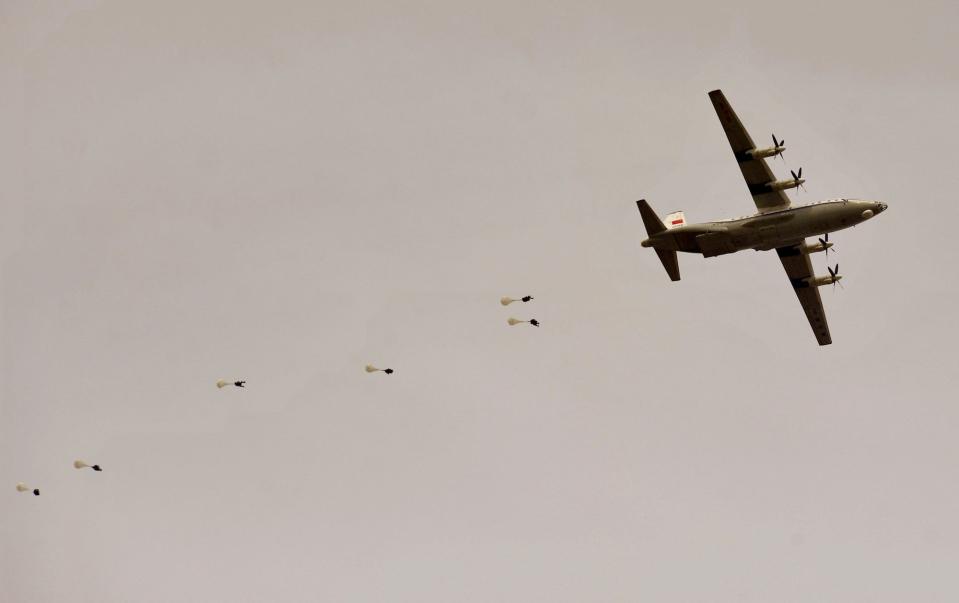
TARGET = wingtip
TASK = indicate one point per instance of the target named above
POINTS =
(715, 92)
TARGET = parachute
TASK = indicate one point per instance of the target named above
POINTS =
(508, 300)
(372, 369)
(78, 464)
(22, 487)
(515, 321)
(223, 383)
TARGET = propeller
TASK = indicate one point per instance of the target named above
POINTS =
(834, 273)
(797, 177)
(825, 244)
(780, 146)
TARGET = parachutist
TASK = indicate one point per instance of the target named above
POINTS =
(36, 492)
(527, 298)
(388, 371)
(534, 322)
(96, 468)
(239, 383)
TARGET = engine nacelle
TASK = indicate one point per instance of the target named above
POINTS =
(781, 185)
(769, 152)
(815, 247)
(819, 281)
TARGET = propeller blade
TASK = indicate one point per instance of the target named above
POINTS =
(800, 173)
(831, 273)
(795, 177)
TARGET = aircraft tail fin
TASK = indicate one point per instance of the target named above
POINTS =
(670, 263)
(675, 220)
(655, 226)
(652, 222)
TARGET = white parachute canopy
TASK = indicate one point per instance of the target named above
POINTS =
(78, 464)
(223, 383)
(508, 300)
(515, 321)
(22, 487)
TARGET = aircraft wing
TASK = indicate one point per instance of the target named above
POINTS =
(798, 269)
(755, 171)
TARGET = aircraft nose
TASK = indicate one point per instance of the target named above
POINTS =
(881, 207)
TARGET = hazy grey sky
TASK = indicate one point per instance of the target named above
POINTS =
(283, 192)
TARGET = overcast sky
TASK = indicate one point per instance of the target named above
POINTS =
(285, 192)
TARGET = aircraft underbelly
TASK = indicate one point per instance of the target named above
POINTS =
(762, 232)
(685, 241)
(775, 231)
(716, 243)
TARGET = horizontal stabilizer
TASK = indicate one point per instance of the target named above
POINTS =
(670, 263)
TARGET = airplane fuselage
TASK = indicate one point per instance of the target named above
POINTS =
(766, 230)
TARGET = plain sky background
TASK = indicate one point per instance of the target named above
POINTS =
(284, 192)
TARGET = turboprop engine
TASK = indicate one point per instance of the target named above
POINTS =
(819, 281)
(820, 245)
(781, 185)
(833, 278)
(777, 149)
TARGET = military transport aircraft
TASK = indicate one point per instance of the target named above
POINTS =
(777, 224)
